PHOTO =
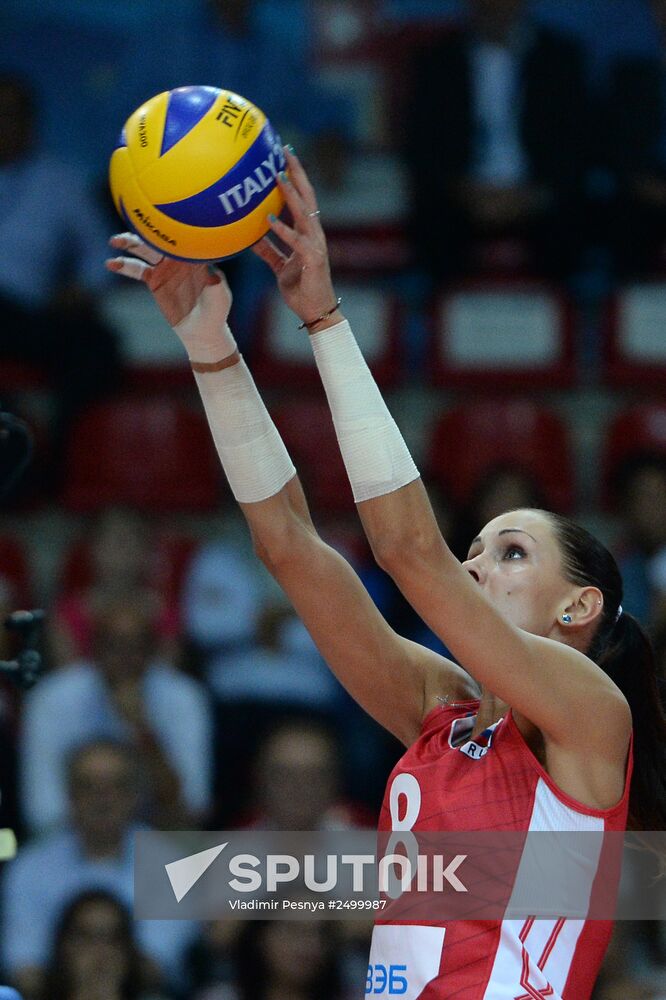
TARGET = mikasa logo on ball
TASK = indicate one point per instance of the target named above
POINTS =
(240, 194)
(145, 221)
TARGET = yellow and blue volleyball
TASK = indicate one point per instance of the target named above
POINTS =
(194, 173)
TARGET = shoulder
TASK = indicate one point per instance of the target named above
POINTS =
(64, 683)
(166, 681)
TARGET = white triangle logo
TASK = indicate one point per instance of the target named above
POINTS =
(186, 872)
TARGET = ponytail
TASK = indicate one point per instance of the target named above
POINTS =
(623, 651)
(627, 657)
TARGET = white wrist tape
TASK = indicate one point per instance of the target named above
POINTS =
(252, 453)
(207, 338)
(374, 452)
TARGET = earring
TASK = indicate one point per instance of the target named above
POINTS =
(566, 619)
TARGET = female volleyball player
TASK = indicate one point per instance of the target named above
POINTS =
(536, 731)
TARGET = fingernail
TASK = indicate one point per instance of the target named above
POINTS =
(272, 218)
(291, 149)
(283, 177)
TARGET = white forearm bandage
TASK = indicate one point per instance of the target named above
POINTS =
(374, 452)
(206, 337)
(252, 452)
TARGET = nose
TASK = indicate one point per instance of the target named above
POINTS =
(475, 568)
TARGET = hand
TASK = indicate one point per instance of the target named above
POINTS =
(176, 284)
(194, 298)
(304, 276)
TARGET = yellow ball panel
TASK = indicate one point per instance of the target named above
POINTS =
(144, 130)
(206, 153)
(121, 169)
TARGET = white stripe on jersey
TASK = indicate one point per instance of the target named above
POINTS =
(546, 943)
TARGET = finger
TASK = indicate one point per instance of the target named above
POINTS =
(270, 254)
(134, 243)
(297, 207)
(129, 267)
(301, 180)
(297, 241)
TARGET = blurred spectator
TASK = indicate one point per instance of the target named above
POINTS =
(296, 781)
(8, 701)
(494, 132)
(636, 135)
(122, 692)
(209, 963)
(221, 601)
(639, 491)
(95, 956)
(283, 668)
(263, 51)
(122, 562)
(51, 271)
(94, 851)
(273, 960)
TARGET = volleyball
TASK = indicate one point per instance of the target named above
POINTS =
(194, 173)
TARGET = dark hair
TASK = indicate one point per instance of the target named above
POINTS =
(253, 974)
(624, 652)
(58, 980)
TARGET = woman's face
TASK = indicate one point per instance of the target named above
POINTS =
(294, 952)
(94, 945)
(517, 562)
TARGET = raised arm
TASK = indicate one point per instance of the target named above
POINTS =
(547, 681)
(384, 672)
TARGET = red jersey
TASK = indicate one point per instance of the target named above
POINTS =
(447, 782)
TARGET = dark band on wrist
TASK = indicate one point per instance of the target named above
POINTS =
(305, 325)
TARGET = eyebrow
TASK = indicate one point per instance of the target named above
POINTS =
(506, 531)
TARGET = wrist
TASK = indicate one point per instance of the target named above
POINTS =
(325, 324)
(316, 321)
(204, 332)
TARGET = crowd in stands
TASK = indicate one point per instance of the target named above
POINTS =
(470, 157)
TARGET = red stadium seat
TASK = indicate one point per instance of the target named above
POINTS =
(502, 335)
(155, 455)
(307, 430)
(638, 430)
(635, 346)
(283, 357)
(476, 438)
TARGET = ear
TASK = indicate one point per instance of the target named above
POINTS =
(586, 608)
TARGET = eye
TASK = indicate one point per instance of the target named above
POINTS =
(514, 552)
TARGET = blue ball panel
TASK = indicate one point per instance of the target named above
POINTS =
(187, 106)
(239, 192)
